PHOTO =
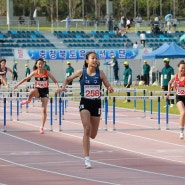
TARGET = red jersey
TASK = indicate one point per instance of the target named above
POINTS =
(179, 85)
(41, 80)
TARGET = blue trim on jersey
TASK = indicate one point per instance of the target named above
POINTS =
(89, 80)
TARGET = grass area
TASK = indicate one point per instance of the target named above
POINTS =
(140, 104)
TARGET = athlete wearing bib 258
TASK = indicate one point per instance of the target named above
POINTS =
(91, 80)
(90, 91)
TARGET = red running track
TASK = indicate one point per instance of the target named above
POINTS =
(136, 153)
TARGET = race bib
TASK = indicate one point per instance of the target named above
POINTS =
(91, 91)
(165, 76)
(180, 91)
(41, 84)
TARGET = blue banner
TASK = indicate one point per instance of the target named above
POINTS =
(76, 54)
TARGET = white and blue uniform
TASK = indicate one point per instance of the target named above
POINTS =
(91, 92)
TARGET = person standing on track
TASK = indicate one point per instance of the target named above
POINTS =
(46, 66)
(166, 74)
(69, 71)
(27, 72)
(146, 73)
(115, 66)
(127, 78)
(41, 89)
(179, 84)
(3, 72)
(91, 79)
(15, 73)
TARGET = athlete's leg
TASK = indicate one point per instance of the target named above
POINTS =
(32, 93)
(85, 118)
(95, 121)
(181, 108)
(44, 111)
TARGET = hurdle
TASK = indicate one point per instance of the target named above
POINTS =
(167, 106)
(61, 106)
(114, 98)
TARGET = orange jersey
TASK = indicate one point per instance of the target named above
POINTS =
(41, 80)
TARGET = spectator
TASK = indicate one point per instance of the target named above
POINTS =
(68, 23)
(175, 22)
(123, 25)
(116, 29)
(142, 38)
(127, 78)
(156, 20)
(69, 72)
(46, 66)
(21, 20)
(15, 73)
(114, 64)
(110, 24)
(135, 45)
(139, 19)
(166, 74)
(27, 72)
(126, 45)
(169, 24)
(127, 25)
(146, 73)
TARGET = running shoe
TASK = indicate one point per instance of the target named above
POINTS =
(126, 101)
(25, 102)
(41, 130)
(88, 164)
(172, 105)
(181, 135)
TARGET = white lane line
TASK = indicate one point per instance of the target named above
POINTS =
(57, 173)
(77, 157)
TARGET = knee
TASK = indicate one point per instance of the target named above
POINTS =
(93, 136)
(182, 114)
(87, 130)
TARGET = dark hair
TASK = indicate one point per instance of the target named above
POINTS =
(86, 57)
(181, 62)
(3, 60)
(36, 61)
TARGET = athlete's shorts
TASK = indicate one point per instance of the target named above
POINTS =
(43, 92)
(92, 105)
(180, 98)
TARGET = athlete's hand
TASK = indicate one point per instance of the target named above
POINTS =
(59, 90)
(110, 89)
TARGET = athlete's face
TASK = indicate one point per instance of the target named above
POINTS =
(3, 63)
(181, 69)
(40, 64)
(92, 60)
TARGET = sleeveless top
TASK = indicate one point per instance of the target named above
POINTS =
(6, 69)
(90, 86)
(179, 86)
(41, 80)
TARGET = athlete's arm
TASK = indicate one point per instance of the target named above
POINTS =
(24, 80)
(106, 82)
(55, 81)
(170, 86)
